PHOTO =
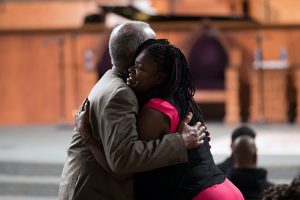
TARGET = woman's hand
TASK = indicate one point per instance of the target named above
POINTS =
(82, 122)
(131, 80)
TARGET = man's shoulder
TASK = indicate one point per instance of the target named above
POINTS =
(115, 86)
(110, 87)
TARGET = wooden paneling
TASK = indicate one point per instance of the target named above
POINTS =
(269, 96)
(199, 8)
(162, 7)
(184, 39)
(232, 92)
(44, 14)
(275, 11)
(30, 78)
(296, 78)
(210, 96)
(273, 40)
(113, 2)
(86, 78)
(43, 77)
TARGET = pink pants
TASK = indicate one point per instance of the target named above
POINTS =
(222, 191)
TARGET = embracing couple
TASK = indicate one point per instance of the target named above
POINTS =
(140, 134)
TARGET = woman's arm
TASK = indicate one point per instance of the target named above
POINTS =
(152, 124)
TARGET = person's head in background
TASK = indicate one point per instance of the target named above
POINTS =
(125, 40)
(242, 130)
(244, 152)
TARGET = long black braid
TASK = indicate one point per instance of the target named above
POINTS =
(179, 87)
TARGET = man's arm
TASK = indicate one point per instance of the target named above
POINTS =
(83, 126)
(98, 152)
(125, 153)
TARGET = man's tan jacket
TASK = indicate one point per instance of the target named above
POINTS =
(113, 113)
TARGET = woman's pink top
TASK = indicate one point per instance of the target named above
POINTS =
(225, 189)
(166, 108)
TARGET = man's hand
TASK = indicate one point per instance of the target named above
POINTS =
(192, 135)
(82, 122)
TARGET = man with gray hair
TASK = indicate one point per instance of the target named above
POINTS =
(113, 110)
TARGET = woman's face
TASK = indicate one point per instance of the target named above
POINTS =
(145, 75)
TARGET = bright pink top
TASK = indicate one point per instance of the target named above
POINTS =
(167, 109)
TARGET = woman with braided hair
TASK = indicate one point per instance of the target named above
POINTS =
(162, 81)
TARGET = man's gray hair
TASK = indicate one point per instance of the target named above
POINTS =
(124, 41)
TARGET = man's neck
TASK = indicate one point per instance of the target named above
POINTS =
(122, 73)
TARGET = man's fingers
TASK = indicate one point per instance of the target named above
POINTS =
(188, 118)
(199, 136)
(197, 125)
(196, 144)
(200, 139)
(202, 136)
(208, 135)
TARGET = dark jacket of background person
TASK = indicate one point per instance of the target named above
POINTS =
(245, 174)
(252, 181)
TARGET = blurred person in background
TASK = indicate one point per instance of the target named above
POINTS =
(245, 174)
(227, 164)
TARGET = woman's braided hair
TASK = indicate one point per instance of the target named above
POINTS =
(179, 87)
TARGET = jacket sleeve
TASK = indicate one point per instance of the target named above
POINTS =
(124, 152)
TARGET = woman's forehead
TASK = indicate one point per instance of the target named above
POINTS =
(142, 55)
